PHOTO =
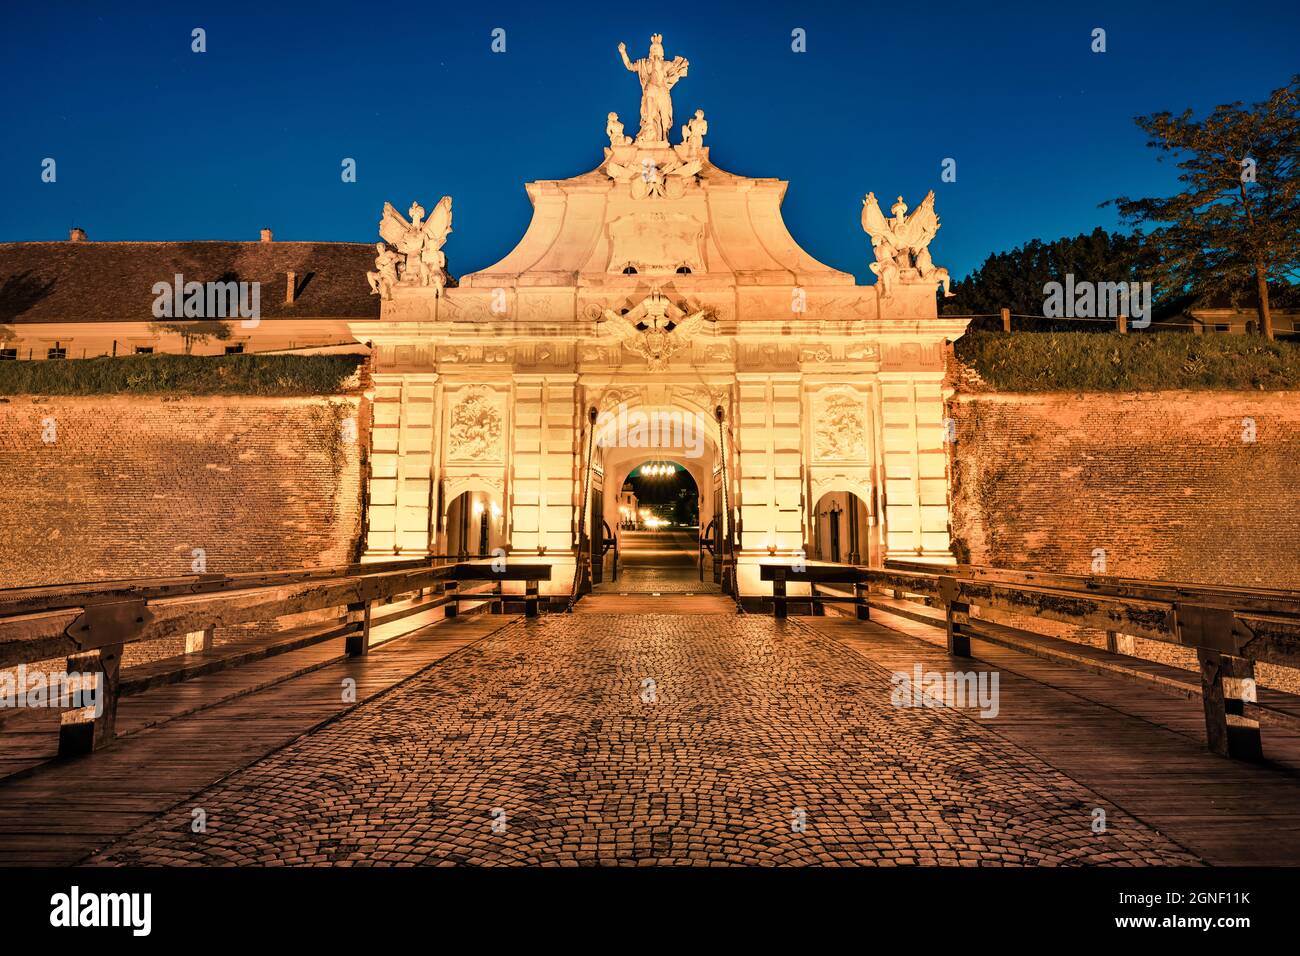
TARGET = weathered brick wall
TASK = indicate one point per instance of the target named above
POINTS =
(1164, 482)
(131, 486)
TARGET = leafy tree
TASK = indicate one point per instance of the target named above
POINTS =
(1236, 221)
(193, 331)
(1014, 280)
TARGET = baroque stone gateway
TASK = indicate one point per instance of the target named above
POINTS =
(662, 284)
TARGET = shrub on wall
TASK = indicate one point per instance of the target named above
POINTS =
(244, 374)
(1139, 361)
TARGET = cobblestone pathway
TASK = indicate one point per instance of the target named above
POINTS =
(762, 743)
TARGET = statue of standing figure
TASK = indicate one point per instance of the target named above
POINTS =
(657, 76)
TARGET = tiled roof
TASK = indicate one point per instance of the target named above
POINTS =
(113, 281)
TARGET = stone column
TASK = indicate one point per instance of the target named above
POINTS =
(769, 439)
(546, 472)
(915, 467)
(401, 465)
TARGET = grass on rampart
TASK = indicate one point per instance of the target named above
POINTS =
(243, 374)
(1139, 361)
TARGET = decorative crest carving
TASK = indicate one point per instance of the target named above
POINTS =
(655, 329)
(650, 177)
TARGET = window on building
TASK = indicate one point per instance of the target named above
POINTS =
(8, 355)
(144, 350)
(234, 349)
(57, 352)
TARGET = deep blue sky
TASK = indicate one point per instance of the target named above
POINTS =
(154, 142)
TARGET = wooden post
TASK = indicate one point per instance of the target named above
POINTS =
(530, 599)
(358, 642)
(198, 642)
(1227, 685)
(1006, 320)
(779, 609)
(1227, 679)
(958, 640)
(449, 591)
(1121, 320)
(80, 732)
(860, 594)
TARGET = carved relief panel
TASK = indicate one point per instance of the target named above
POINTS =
(475, 425)
(840, 425)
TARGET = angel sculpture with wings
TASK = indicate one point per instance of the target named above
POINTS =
(419, 242)
(656, 342)
(898, 241)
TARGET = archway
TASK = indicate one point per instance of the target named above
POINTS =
(658, 530)
(475, 525)
(659, 484)
(842, 530)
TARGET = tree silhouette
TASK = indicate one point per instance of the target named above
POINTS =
(1237, 219)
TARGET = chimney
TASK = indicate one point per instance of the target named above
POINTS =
(76, 234)
(291, 287)
(266, 235)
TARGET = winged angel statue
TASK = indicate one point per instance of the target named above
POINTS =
(419, 257)
(656, 342)
(902, 243)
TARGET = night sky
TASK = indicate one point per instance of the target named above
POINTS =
(155, 142)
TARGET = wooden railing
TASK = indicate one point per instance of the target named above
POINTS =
(1230, 629)
(91, 624)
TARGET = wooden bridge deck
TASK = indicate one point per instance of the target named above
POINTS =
(60, 812)
(1139, 749)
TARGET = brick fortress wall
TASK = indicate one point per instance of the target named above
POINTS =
(132, 486)
(1170, 485)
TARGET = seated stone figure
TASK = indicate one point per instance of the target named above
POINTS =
(694, 130)
(614, 130)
